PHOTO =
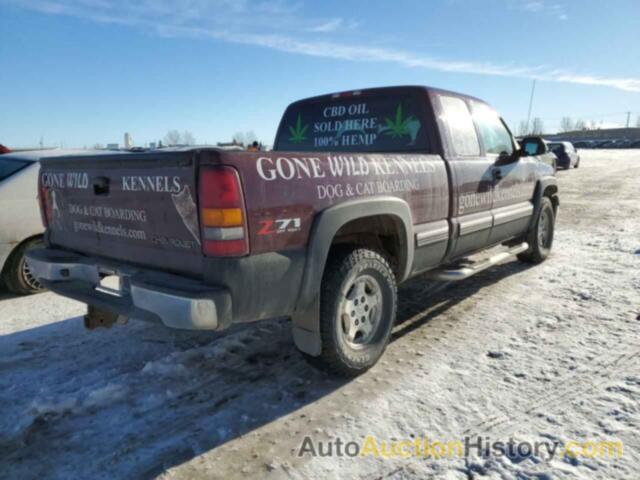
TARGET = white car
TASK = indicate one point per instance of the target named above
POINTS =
(20, 223)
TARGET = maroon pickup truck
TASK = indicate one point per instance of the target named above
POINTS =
(362, 191)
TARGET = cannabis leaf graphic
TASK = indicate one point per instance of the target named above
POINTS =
(297, 133)
(398, 128)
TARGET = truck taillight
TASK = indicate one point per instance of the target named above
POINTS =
(222, 213)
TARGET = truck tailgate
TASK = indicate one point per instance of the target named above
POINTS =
(138, 208)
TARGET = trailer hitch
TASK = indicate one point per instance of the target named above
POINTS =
(98, 317)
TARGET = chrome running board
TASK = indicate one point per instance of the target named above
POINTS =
(455, 274)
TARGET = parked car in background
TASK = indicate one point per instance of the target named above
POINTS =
(625, 143)
(20, 224)
(604, 144)
(566, 153)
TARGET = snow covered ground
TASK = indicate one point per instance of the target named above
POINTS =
(550, 352)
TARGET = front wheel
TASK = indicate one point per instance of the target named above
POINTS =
(357, 310)
(540, 238)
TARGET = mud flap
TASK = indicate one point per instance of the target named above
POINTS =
(307, 341)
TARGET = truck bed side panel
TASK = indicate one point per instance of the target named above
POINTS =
(284, 191)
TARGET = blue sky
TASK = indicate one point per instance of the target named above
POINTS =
(81, 72)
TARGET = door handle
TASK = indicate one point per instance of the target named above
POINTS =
(101, 185)
(497, 174)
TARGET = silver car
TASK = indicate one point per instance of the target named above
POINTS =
(20, 224)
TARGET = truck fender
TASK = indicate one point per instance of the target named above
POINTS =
(546, 183)
(306, 315)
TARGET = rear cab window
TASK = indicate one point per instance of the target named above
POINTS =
(9, 166)
(367, 122)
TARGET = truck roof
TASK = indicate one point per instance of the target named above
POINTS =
(388, 90)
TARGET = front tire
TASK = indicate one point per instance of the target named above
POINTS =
(17, 276)
(358, 300)
(540, 238)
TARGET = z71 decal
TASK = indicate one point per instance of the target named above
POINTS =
(279, 225)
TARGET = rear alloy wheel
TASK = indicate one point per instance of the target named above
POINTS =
(357, 310)
(17, 274)
(540, 238)
(360, 311)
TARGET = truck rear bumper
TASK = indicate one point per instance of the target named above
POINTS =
(173, 300)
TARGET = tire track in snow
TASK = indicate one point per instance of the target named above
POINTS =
(567, 388)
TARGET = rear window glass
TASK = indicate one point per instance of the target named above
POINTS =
(355, 124)
(556, 147)
(9, 166)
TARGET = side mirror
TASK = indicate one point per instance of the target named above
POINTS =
(505, 158)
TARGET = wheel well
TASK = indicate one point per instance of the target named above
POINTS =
(16, 248)
(551, 192)
(377, 232)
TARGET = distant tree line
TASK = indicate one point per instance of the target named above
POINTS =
(245, 138)
(175, 137)
(536, 127)
(567, 124)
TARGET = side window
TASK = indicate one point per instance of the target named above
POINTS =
(494, 134)
(460, 126)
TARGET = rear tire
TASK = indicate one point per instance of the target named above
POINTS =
(358, 300)
(16, 274)
(540, 238)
